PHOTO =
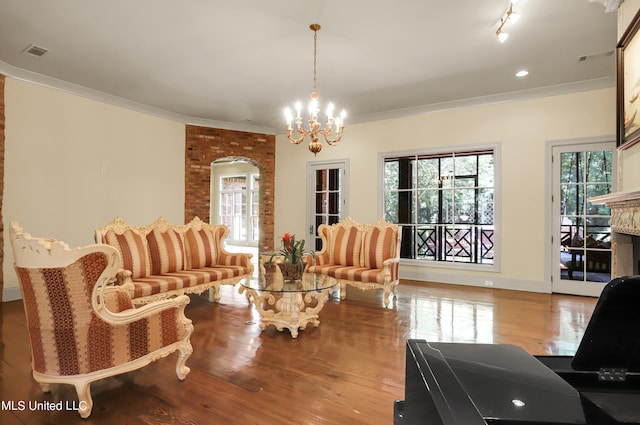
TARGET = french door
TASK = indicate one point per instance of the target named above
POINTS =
(581, 239)
(327, 189)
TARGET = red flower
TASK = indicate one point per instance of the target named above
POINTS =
(286, 239)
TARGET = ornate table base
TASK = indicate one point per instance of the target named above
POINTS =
(291, 310)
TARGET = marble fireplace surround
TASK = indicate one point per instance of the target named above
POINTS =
(625, 230)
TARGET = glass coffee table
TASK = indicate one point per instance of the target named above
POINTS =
(290, 305)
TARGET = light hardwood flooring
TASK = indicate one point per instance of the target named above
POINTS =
(349, 370)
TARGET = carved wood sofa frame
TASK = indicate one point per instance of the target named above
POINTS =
(365, 256)
(163, 260)
(80, 324)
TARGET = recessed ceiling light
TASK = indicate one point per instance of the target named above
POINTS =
(522, 73)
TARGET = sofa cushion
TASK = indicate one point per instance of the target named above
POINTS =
(184, 279)
(133, 250)
(351, 273)
(346, 245)
(218, 273)
(166, 251)
(201, 247)
(378, 246)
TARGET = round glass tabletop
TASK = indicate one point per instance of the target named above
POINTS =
(273, 282)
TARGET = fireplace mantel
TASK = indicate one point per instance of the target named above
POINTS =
(625, 210)
(625, 225)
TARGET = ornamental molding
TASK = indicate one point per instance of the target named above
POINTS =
(625, 210)
(626, 220)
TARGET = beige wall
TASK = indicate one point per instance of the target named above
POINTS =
(522, 130)
(626, 12)
(72, 164)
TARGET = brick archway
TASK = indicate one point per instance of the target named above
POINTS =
(205, 145)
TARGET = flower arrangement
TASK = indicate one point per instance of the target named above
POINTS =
(293, 252)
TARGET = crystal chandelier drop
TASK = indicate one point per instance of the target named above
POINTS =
(332, 133)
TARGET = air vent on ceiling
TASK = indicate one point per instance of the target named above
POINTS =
(35, 50)
(594, 56)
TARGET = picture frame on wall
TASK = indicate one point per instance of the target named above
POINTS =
(628, 86)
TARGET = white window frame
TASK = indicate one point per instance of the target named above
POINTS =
(249, 206)
(497, 205)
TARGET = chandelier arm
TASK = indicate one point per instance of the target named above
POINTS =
(303, 134)
(336, 140)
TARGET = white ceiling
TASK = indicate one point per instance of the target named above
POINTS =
(237, 64)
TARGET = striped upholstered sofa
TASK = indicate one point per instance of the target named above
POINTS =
(164, 260)
(360, 255)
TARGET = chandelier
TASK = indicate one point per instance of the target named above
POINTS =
(332, 132)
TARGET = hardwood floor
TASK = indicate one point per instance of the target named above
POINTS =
(349, 370)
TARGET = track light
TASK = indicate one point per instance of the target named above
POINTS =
(509, 16)
(502, 36)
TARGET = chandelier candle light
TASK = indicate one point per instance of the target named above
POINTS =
(332, 133)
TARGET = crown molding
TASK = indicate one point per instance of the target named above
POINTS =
(514, 96)
(43, 80)
(78, 90)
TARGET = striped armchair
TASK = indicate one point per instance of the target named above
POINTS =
(365, 256)
(83, 329)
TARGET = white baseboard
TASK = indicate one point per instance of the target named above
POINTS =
(11, 294)
(484, 281)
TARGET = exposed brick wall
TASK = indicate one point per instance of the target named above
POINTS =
(205, 145)
(1, 181)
